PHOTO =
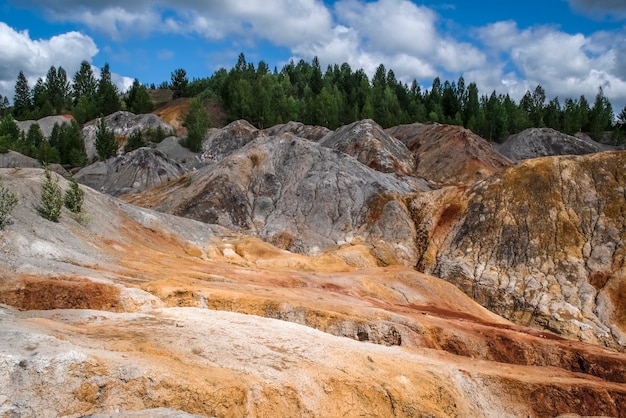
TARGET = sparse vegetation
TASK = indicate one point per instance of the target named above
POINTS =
(157, 134)
(51, 196)
(135, 141)
(8, 200)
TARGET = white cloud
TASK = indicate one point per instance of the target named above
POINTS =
(35, 56)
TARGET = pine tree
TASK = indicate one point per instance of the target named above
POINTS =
(135, 141)
(180, 83)
(51, 197)
(4, 106)
(197, 123)
(106, 145)
(84, 82)
(22, 101)
(108, 100)
(84, 88)
(74, 197)
(138, 99)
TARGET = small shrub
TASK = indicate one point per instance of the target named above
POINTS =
(135, 141)
(74, 197)
(51, 197)
(8, 200)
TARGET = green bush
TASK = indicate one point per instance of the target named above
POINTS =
(8, 200)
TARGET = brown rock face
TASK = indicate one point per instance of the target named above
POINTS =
(541, 243)
(449, 155)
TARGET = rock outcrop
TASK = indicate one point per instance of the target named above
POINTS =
(12, 159)
(541, 142)
(367, 142)
(311, 132)
(140, 313)
(220, 143)
(123, 124)
(132, 172)
(298, 195)
(449, 155)
(541, 243)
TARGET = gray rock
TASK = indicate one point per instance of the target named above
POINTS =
(130, 173)
(172, 148)
(541, 142)
(220, 143)
(310, 132)
(46, 124)
(12, 159)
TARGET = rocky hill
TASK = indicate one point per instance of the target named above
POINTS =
(449, 155)
(298, 195)
(542, 142)
(541, 243)
(135, 310)
(132, 172)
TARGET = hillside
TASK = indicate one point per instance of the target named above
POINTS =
(146, 310)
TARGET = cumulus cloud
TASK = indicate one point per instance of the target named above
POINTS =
(566, 65)
(34, 57)
(283, 22)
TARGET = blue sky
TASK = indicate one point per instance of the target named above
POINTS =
(570, 47)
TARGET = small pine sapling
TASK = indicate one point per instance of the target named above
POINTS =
(51, 197)
(8, 200)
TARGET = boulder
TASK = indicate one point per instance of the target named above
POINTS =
(220, 143)
(173, 149)
(11, 159)
(367, 142)
(310, 132)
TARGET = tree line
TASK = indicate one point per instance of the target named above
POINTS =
(340, 95)
(84, 98)
(300, 92)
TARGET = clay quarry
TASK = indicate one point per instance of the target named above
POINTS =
(295, 271)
